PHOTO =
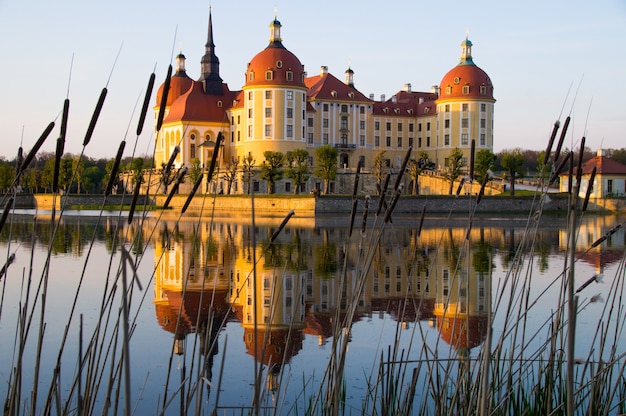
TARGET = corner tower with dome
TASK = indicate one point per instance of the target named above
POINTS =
(280, 108)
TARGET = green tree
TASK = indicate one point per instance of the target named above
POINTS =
(136, 168)
(484, 162)
(619, 155)
(413, 170)
(78, 170)
(248, 170)
(230, 175)
(454, 167)
(297, 168)
(65, 173)
(7, 174)
(272, 169)
(381, 167)
(513, 162)
(195, 169)
(326, 166)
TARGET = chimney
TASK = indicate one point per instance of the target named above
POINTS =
(372, 97)
(434, 89)
(407, 87)
(382, 98)
(323, 70)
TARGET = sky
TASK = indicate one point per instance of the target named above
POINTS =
(547, 60)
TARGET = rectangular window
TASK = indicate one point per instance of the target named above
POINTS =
(377, 125)
(238, 136)
(362, 160)
(325, 123)
(388, 126)
(290, 95)
(466, 89)
(362, 124)
(464, 123)
(419, 127)
(376, 141)
(289, 112)
(268, 130)
(289, 75)
(609, 185)
(482, 139)
(428, 126)
(447, 108)
(249, 95)
(310, 138)
(464, 107)
(310, 122)
(344, 123)
(249, 131)
(483, 107)
(361, 109)
(419, 142)
(428, 141)
(249, 113)
(483, 90)
(192, 151)
(410, 127)
(287, 187)
(446, 140)
(399, 126)
(289, 131)
(410, 141)
(344, 108)
(464, 139)
(399, 141)
(362, 140)
(325, 106)
(325, 138)
(268, 112)
(483, 123)
(388, 141)
(256, 186)
(268, 75)
(446, 124)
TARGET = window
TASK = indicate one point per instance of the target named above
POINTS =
(310, 138)
(388, 126)
(362, 160)
(310, 122)
(410, 127)
(464, 139)
(238, 119)
(428, 141)
(344, 123)
(419, 142)
(362, 124)
(344, 139)
(483, 90)
(410, 141)
(249, 113)
(464, 123)
(377, 125)
(289, 131)
(289, 112)
(325, 123)
(482, 139)
(376, 141)
(448, 90)
(483, 123)
(464, 106)
(325, 138)
(609, 186)
(290, 95)
(238, 136)
(361, 109)
(428, 126)
(289, 76)
(268, 95)
(483, 107)
(192, 151)
(419, 127)
(388, 141)
(251, 76)
(362, 140)
(268, 129)
(446, 140)
(446, 124)
(287, 187)
(268, 111)
(399, 141)
(268, 75)
(466, 89)
(325, 106)
(344, 108)
(250, 131)
(447, 108)
(399, 126)
(256, 186)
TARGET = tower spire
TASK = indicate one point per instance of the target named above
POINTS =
(210, 63)
(275, 40)
(466, 51)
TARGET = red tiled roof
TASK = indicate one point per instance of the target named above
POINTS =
(195, 105)
(328, 87)
(466, 75)
(604, 165)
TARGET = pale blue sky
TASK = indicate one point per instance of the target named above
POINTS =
(534, 51)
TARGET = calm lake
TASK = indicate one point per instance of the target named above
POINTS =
(215, 302)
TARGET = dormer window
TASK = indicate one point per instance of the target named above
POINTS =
(333, 93)
(448, 90)
(483, 90)
(289, 76)
(251, 76)
(466, 89)
(219, 103)
(386, 110)
(351, 94)
(457, 80)
(268, 75)
(396, 110)
(279, 64)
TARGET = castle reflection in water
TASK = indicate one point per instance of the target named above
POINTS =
(204, 278)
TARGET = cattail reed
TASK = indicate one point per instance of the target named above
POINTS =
(5, 214)
(559, 169)
(116, 165)
(555, 129)
(4, 268)
(589, 189)
(192, 193)
(354, 198)
(163, 104)
(170, 162)
(216, 149)
(472, 155)
(276, 233)
(460, 187)
(557, 152)
(393, 203)
(405, 161)
(589, 281)
(381, 196)
(133, 203)
(29, 157)
(146, 103)
(179, 179)
(366, 205)
(482, 189)
(94, 117)
(579, 171)
(421, 223)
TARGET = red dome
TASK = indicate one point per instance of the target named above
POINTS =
(286, 69)
(466, 80)
(179, 84)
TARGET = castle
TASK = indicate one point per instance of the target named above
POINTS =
(281, 108)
